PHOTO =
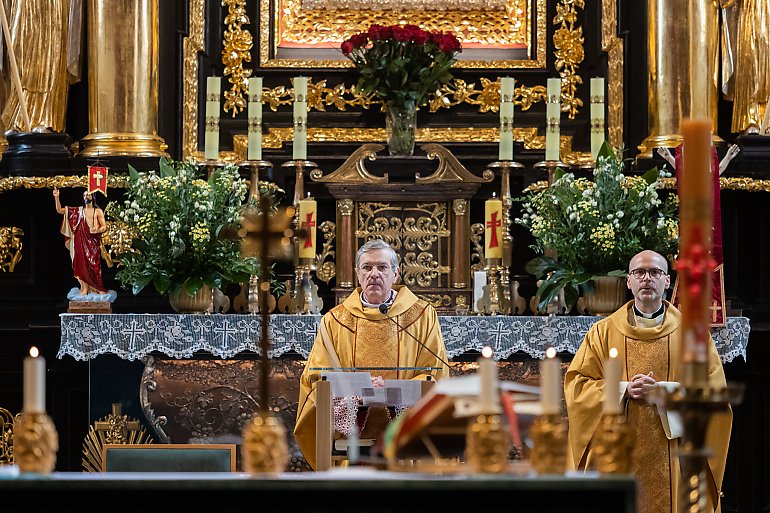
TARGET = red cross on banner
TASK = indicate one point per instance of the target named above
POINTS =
(97, 179)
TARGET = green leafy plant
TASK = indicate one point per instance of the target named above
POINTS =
(180, 225)
(595, 227)
(401, 64)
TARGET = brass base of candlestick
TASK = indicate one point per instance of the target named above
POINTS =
(697, 405)
(494, 300)
(305, 299)
(549, 444)
(265, 447)
(487, 444)
(612, 444)
(551, 166)
(35, 443)
(299, 183)
(254, 167)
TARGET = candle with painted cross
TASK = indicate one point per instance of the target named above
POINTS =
(255, 119)
(552, 118)
(493, 223)
(550, 383)
(211, 131)
(34, 382)
(612, 373)
(505, 152)
(308, 209)
(299, 147)
(597, 115)
(695, 263)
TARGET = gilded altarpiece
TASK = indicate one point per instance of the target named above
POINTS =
(424, 219)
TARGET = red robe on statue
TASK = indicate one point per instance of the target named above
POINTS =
(84, 248)
(718, 315)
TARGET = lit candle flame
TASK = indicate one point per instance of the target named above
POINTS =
(486, 352)
(34, 352)
(613, 353)
(550, 353)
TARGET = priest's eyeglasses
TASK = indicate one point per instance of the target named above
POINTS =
(381, 268)
(654, 273)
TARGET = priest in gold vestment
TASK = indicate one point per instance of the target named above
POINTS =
(646, 332)
(361, 332)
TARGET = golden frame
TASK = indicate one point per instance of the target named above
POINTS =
(314, 26)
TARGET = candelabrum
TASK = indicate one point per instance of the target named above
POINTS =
(505, 167)
(35, 443)
(549, 444)
(487, 444)
(612, 444)
(304, 297)
(697, 403)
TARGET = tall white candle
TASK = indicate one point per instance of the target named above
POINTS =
(255, 119)
(550, 383)
(299, 147)
(34, 382)
(506, 118)
(489, 395)
(597, 115)
(552, 118)
(612, 373)
(211, 129)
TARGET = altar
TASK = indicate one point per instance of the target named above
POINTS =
(198, 376)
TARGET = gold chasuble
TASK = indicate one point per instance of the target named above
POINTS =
(642, 350)
(364, 337)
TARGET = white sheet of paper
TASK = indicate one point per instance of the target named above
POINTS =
(347, 384)
(479, 280)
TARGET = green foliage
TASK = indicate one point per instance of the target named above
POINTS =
(595, 227)
(179, 222)
(402, 64)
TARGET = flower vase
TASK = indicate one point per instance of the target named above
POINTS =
(185, 303)
(607, 294)
(400, 125)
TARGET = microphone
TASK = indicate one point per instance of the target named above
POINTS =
(383, 308)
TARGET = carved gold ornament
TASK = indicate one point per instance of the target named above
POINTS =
(6, 437)
(114, 428)
(10, 247)
(235, 50)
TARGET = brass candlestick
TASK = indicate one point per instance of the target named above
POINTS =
(494, 300)
(612, 444)
(254, 167)
(697, 404)
(299, 173)
(211, 166)
(550, 166)
(549, 444)
(486, 444)
(305, 299)
(35, 443)
(505, 167)
(265, 446)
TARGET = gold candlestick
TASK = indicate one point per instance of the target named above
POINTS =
(35, 443)
(494, 300)
(612, 444)
(299, 182)
(505, 167)
(486, 444)
(549, 444)
(254, 168)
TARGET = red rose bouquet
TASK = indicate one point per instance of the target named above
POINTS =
(402, 64)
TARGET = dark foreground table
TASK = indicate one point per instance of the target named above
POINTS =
(339, 491)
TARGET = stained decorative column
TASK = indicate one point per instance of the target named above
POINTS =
(123, 79)
(683, 40)
(461, 259)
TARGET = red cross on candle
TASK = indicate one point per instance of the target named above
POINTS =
(309, 224)
(494, 224)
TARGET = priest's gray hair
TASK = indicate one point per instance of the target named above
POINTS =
(374, 245)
